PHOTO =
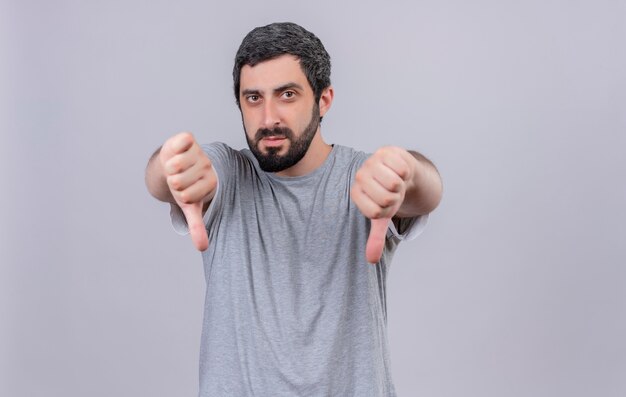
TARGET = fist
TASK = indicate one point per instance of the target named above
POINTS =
(191, 180)
(378, 191)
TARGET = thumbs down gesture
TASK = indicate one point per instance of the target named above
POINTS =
(191, 180)
(379, 190)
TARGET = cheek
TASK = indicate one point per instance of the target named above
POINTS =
(249, 125)
(304, 120)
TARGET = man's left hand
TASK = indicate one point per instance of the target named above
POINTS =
(378, 191)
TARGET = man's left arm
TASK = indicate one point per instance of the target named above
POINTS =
(394, 182)
(423, 187)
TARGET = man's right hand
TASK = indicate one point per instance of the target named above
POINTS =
(191, 180)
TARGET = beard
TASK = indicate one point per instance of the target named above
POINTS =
(271, 161)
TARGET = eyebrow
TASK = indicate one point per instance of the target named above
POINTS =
(288, 86)
(282, 88)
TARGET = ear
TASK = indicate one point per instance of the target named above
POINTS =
(326, 99)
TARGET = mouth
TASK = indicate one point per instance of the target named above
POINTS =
(273, 141)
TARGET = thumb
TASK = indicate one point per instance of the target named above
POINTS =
(376, 240)
(193, 215)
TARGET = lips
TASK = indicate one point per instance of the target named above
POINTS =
(273, 141)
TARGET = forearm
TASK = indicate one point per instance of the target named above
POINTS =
(424, 190)
(156, 181)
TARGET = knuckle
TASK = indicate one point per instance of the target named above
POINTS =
(358, 177)
(185, 197)
(396, 185)
(195, 150)
(385, 150)
(404, 172)
(182, 142)
(388, 202)
(206, 166)
(174, 182)
(185, 136)
(175, 165)
(170, 142)
(210, 185)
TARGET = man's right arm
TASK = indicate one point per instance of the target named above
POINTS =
(180, 173)
(156, 182)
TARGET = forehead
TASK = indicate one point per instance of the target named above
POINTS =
(273, 73)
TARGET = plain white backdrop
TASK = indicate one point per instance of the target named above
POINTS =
(517, 287)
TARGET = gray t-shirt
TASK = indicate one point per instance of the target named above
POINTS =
(292, 306)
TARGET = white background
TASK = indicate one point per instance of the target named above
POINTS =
(517, 287)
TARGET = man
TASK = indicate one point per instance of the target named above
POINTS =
(287, 229)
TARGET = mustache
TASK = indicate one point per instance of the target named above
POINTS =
(277, 131)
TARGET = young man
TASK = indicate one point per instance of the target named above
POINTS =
(287, 230)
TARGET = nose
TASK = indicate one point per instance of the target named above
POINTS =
(271, 117)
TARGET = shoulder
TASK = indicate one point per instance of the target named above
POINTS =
(219, 149)
(221, 152)
(350, 157)
(228, 161)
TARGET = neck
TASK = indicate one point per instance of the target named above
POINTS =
(312, 160)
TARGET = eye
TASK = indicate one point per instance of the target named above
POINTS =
(289, 94)
(252, 98)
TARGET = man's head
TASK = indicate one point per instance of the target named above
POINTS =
(282, 86)
(271, 41)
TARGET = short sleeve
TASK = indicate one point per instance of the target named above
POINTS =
(222, 160)
(407, 229)
(402, 229)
